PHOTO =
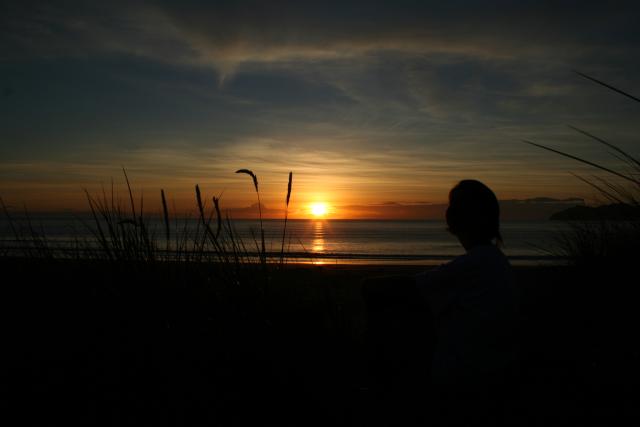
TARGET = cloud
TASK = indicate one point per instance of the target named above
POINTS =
(251, 212)
(232, 33)
(284, 89)
(537, 209)
(228, 35)
(421, 59)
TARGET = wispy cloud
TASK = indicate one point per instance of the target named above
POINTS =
(229, 34)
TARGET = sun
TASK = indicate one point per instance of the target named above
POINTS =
(319, 209)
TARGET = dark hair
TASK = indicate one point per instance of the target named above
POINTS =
(474, 211)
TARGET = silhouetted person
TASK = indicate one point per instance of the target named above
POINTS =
(472, 313)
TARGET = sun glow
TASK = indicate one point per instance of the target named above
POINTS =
(318, 209)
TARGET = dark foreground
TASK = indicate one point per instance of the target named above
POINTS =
(98, 343)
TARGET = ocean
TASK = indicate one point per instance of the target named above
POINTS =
(333, 241)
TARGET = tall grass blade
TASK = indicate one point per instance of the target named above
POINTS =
(263, 255)
(624, 154)
(628, 178)
(199, 203)
(286, 215)
(607, 85)
(10, 220)
(289, 187)
(165, 212)
(133, 207)
(219, 250)
(252, 175)
(216, 205)
(624, 195)
(100, 233)
(606, 193)
(39, 241)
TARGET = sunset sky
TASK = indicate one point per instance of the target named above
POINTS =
(372, 105)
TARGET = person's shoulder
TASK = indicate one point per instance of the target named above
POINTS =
(490, 265)
(493, 267)
(443, 273)
(488, 255)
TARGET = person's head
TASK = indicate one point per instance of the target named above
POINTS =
(473, 214)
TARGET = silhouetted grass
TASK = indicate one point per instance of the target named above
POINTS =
(27, 239)
(286, 216)
(125, 234)
(590, 243)
(263, 257)
(186, 323)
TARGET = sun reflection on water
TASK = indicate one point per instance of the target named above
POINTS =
(318, 245)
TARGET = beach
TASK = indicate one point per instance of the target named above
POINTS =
(98, 342)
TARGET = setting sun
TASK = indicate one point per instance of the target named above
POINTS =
(318, 209)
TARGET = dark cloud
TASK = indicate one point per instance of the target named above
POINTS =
(251, 212)
(536, 209)
(328, 22)
(230, 33)
(284, 89)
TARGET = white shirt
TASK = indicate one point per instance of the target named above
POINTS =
(475, 308)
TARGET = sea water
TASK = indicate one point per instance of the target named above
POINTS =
(325, 241)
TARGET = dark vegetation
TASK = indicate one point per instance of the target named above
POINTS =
(157, 344)
(604, 237)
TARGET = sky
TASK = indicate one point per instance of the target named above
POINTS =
(376, 107)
